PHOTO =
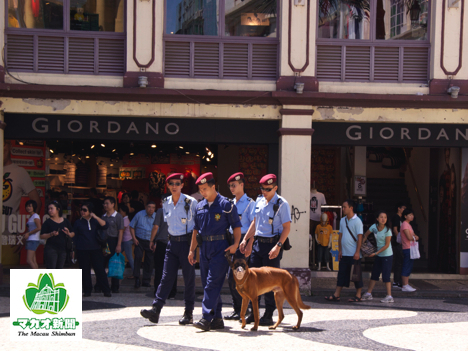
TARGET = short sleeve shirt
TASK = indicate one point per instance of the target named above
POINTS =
(115, 223)
(380, 239)
(264, 213)
(245, 207)
(348, 245)
(180, 220)
(404, 240)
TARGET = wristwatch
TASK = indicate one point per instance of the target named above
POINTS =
(279, 243)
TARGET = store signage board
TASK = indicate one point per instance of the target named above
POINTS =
(37, 126)
(390, 134)
(360, 188)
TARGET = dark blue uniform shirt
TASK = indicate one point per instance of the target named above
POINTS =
(215, 219)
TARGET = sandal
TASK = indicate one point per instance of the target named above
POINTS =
(355, 299)
(332, 298)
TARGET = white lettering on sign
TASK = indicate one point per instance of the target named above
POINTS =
(155, 129)
(44, 129)
(20, 151)
(58, 126)
(132, 127)
(404, 133)
(464, 136)
(80, 126)
(386, 136)
(420, 135)
(356, 136)
(176, 128)
(93, 125)
(110, 130)
(442, 134)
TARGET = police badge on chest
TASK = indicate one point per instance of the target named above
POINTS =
(240, 217)
(184, 220)
(270, 220)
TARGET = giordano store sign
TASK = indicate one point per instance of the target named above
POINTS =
(28, 126)
(390, 134)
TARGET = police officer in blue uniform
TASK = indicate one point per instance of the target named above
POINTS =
(271, 227)
(179, 213)
(214, 215)
(245, 206)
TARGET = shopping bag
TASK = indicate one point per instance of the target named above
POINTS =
(414, 250)
(356, 272)
(116, 266)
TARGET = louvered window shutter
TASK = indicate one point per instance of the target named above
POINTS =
(20, 52)
(51, 54)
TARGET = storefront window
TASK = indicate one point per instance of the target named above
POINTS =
(100, 15)
(344, 19)
(40, 14)
(400, 19)
(255, 18)
(196, 17)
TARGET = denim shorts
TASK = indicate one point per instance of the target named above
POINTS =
(32, 245)
(407, 263)
(382, 265)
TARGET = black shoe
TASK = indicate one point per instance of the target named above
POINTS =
(137, 283)
(97, 289)
(87, 294)
(217, 323)
(187, 318)
(249, 319)
(234, 316)
(202, 324)
(146, 285)
(171, 297)
(115, 291)
(267, 319)
(152, 314)
(108, 294)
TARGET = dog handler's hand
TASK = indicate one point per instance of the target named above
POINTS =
(191, 258)
(274, 252)
(242, 247)
(248, 250)
(232, 249)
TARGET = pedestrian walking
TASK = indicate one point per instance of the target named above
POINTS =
(179, 213)
(245, 206)
(140, 228)
(214, 215)
(396, 246)
(266, 236)
(33, 226)
(407, 236)
(89, 251)
(127, 240)
(383, 257)
(349, 252)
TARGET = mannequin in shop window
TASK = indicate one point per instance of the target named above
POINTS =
(323, 238)
(317, 199)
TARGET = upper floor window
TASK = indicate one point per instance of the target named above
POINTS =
(83, 15)
(254, 18)
(373, 19)
(233, 39)
(65, 36)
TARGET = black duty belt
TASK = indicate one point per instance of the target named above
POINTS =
(262, 239)
(185, 237)
(214, 237)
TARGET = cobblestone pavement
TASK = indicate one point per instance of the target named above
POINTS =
(409, 323)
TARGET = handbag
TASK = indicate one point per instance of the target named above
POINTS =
(370, 246)
(101, 237)
(356, 272)
(116, 266)
(414, 250)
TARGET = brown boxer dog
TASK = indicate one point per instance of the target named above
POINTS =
(253, 282)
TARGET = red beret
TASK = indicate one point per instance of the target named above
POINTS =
(175, 176)
(268, 179)
(204, 178)
(236, 176)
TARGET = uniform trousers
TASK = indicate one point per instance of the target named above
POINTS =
(95, 259)
(236, 298)
(260, 258)
(143, 247)
(213, 269)
(159, 257)
(177, 254)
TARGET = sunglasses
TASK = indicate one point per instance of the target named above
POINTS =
(84, 210)
(266, 190)
(174, 184)
(232, 185)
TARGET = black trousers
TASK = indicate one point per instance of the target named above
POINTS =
(94, 259)
(54, 258)
(397, 262)
(143, 247)
(112, 242)
(159, 255)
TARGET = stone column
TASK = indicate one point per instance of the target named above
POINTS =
(294, 186)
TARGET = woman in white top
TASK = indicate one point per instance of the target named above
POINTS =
(33, 232)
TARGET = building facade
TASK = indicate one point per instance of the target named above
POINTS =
(369, 80)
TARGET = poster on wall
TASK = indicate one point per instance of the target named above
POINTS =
(360, 186)
(23, 179)
(464, 214)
